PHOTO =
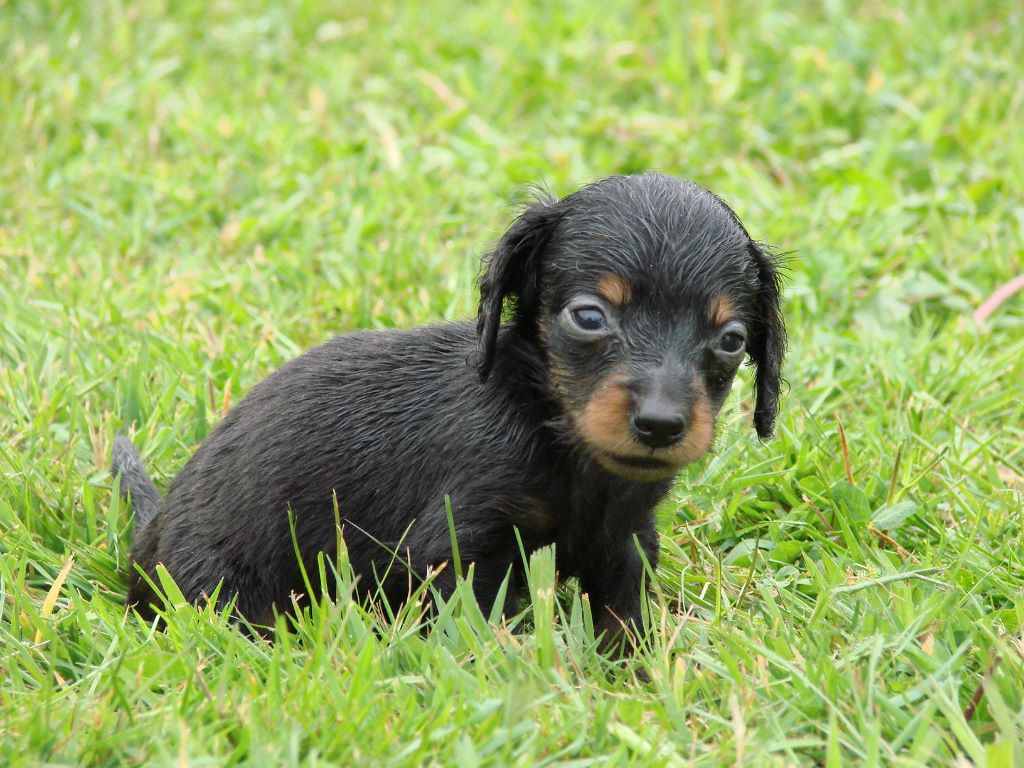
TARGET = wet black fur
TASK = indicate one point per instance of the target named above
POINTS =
(393, 421)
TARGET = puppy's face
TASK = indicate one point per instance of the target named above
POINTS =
(642, 370)
(647, 295)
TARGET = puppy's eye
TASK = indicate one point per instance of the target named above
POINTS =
(731, 342)
(590, 319)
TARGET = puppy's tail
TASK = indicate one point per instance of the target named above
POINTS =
(126, 462)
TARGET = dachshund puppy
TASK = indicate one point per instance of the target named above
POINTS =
(630, 305)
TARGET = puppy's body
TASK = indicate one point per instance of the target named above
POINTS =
(568, 423)
(337, 420)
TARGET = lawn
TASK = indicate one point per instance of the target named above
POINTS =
(193, 192)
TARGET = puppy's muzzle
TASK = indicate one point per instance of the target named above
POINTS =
(658, 423)
(662, 404)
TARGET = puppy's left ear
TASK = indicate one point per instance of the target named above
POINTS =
(512, 271)
(768, 341)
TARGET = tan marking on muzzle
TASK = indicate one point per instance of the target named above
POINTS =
(700, 434)
(604, 421)
(604, 426)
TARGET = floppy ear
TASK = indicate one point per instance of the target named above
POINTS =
(768, 341)
(511, 271)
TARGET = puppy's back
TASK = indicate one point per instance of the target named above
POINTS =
(387, 422)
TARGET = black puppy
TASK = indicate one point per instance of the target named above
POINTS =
(633, 302)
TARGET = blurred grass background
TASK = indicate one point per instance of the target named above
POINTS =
(193, 192)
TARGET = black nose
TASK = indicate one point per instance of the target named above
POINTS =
(657, 426)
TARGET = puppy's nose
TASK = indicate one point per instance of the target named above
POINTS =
(658, 425)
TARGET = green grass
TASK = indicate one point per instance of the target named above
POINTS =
(192, 192)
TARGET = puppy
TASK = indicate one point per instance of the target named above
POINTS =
(630, 305)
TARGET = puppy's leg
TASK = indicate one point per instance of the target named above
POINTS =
(615, 581)
(493, 555)
(489, 574)
(487, 580)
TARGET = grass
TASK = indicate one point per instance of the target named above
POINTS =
(191, 193)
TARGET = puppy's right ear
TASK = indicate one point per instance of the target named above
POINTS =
(512, 271)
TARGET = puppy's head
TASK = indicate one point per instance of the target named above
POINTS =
(645, 294)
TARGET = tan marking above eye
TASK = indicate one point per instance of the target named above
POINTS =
(614, 289)
(722, 310)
